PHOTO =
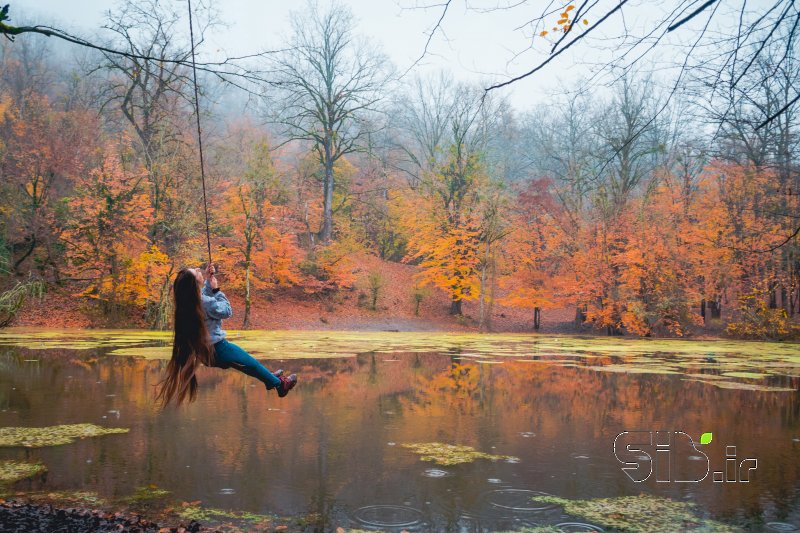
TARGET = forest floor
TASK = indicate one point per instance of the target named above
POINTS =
(347, 310)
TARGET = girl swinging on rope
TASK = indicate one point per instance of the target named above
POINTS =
(199, 338)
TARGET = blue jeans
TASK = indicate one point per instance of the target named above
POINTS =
(227, 355)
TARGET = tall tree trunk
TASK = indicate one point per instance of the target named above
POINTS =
(537, 318)
(784, 298)
(114, 282)
(159, 319)
(715, 306)
(482, 290)
(455, 307)
(326, 231)
(773, 295)
(246, 322)
(31, 248)
(492, 288)
(580, 315)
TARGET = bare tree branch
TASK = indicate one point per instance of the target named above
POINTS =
(553, 56)
(428, 42)
(214, 68)
(692, 15)
(779, 112)
(325, 86)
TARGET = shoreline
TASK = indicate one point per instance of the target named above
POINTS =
(286, 311)
(376, 328)
(73, 510)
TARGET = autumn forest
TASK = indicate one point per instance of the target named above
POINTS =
(648, 207)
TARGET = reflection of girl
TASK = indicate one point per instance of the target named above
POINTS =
(199, 338)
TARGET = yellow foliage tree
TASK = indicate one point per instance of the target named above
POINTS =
(444, 227)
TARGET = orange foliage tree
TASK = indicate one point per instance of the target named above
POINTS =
(654, 278)
(107, 235)
(268, 258)
(444, 227)
(535, 273)
(636, 266)
(258, 241)
(742, 235)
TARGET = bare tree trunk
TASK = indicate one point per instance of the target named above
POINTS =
(31, 248)
(160, 315)
(482, 301)
(326, 81)
(482, 290)
(492, 287)
(794, 291)
(326, 231)
(246, 322)
(773, 295)
(784, 298)
(715, 306)
(580, 315)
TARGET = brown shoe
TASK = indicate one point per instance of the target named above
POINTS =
(286, 384)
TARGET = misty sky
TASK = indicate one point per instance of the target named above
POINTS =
(474, 46)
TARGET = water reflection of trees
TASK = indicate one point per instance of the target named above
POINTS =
(328, 445)
(580, 411)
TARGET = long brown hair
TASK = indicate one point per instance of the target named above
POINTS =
(190, 346)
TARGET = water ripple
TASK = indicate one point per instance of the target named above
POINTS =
(388, 516)
(782, 527)
(517, 500)
(578, 527)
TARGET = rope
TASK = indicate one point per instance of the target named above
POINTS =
(199, 134)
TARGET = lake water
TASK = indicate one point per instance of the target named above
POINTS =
(334, 446)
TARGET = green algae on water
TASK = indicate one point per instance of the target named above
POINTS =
(633, 369)
(67, 497)
(450, 454)
(145, 352)
(739, 360)
(205, 514)
(538, 529)
(77, 339)
(346, 343)
(12, 471)
(746, 375)
(735, 385)
(640, 513)
(150, 492)
(41, 437)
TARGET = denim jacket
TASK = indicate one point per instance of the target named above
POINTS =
(217, 307)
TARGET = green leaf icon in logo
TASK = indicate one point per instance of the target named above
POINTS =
(705, 438)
